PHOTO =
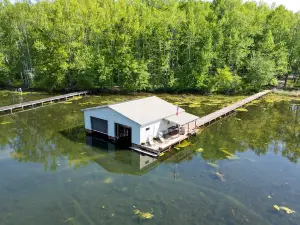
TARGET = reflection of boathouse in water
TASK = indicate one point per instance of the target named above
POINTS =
(121, 161)
(130, 162)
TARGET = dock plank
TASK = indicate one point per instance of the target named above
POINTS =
(10, 108)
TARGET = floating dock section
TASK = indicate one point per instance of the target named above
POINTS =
(40, 102)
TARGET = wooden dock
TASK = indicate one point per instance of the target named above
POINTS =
(157, 149)
(40, 102)
(229, 109)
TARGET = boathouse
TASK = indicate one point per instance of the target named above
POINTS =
(150, 123)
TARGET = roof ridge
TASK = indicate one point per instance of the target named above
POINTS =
(131, 100)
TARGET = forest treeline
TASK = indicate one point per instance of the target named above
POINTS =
(219, 46)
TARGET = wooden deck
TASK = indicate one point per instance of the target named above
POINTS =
(158, 148)
(40, 102)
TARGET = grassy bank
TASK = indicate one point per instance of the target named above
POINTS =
(288, 93)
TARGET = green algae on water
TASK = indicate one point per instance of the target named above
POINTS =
(213, 165)
(194, 105)
(5, 122)
(200, 150)
(67, 102)
(183, 144)
(242, 110)
(108, 180)
(143, 215)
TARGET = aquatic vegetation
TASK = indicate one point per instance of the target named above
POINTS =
(269, 100)
(143, 215)
(229, 155)
(283, 208)
(288, 93)
(194, 105)
(224, 150)
(212, 165)
(234, 157)
(183, 144)
(67, 102)
(162, 154)
(77, 98)
(287, 210)
(272, 98)
(220, 176)
(108, 180)
(88, 103)
(199, 131)
(256, 101)
(200, 150)
(181, 103)
(69, 219)
(242, 110)
(146, 215)
(5, 122)
(136, 211)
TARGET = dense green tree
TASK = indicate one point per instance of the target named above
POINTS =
(146, 45)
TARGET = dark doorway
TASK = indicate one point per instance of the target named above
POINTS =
(99, 125)
(123, 135)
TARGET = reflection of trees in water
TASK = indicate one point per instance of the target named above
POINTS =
(272, 126)
(52, 133)
(35, 136)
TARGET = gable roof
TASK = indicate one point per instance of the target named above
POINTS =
(143, 111)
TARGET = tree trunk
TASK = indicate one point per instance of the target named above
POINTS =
(286, 80)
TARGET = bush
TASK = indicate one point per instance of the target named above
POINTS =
(274, 82)
(225, 81)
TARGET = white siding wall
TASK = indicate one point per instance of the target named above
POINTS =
(155, 128)
(112, 117)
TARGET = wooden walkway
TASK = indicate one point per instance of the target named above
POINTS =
(229, 109)
(40, 102)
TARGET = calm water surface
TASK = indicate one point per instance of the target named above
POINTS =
(51, 173)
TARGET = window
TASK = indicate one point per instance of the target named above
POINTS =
(148, 128)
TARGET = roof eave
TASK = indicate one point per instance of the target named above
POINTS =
(93, 108)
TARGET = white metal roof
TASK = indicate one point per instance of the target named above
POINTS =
(143, 111)
(182, 118)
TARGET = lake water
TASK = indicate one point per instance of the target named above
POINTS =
(51, 173)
